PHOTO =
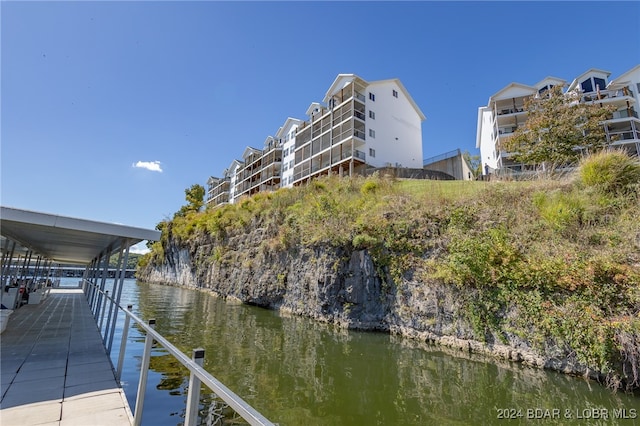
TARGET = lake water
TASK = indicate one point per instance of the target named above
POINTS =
(299, 372)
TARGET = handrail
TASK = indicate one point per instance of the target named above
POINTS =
(241, 407)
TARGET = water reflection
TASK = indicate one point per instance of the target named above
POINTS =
(297, 371)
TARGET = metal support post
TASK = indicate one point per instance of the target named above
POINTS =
(144, 372)
(117, 297)
(103, 280)
(123, 344)
(6, 269)
(104, 307)
(36, 273)
(25, 267)
(113, 308)
(91, 290)
(193, 394)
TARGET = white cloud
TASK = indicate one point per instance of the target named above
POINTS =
(140, 248)
(154, 166)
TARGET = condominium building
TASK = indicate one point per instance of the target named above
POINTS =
(360, 125)
(222, 190)
(505, 113)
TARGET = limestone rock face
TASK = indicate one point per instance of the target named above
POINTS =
(341, 286)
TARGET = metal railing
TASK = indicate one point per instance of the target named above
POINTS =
(445, 156)
(98, 300)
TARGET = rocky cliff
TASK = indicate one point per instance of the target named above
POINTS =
(344, 286)
(547, 274)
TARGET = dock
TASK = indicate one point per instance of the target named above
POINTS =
(55, 360)
(54, 364)
(55, 369)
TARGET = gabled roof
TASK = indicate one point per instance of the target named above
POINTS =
(624, 79)
(556, 81)
(250, 150)
(234, 164)
(344, 79)
(589, 72)
(404, 92)
(313, 107)
(340, 81)
(504, 93)
(288, 124)
(268, 140)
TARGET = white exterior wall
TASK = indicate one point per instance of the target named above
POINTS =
(632, 77)
(397, 125)
(232, 190)
(289, 147)
(486, 144)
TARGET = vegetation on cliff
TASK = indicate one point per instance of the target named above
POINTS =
(554, 262)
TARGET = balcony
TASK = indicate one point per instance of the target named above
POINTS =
(625, 114)
(609, 96)
(622, 137)
(509, 111)
(359, 134)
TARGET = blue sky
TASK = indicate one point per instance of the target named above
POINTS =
(90, 89)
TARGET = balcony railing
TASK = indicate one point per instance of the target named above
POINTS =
(359, 134)
(505, 111)
(603, 94)
(625, 114)
(626, 135)
(99, 300)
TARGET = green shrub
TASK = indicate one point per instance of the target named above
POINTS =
(369, 186)
(561, 210)
(364, 241)
(612, 172)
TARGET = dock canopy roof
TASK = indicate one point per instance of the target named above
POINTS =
(66, 239)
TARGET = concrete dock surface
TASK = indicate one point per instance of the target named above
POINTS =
(54, 367)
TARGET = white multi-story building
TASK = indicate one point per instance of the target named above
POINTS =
(287, 134)
(222, 190)
(360, 125)
(505, 113)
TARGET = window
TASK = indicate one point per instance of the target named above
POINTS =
(600, 84)
(285, 167)
(372, 133)
(291, 164)
(372, 115)
(395, 93)
(372, 96)
(586, 86)
(372, 152)
(285, 152)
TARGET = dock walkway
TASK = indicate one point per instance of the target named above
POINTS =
(54, 368)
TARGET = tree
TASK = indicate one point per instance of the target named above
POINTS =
(195, 199)
(474, 163)
(559, 130)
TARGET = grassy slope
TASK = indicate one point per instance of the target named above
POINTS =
(564, 256)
